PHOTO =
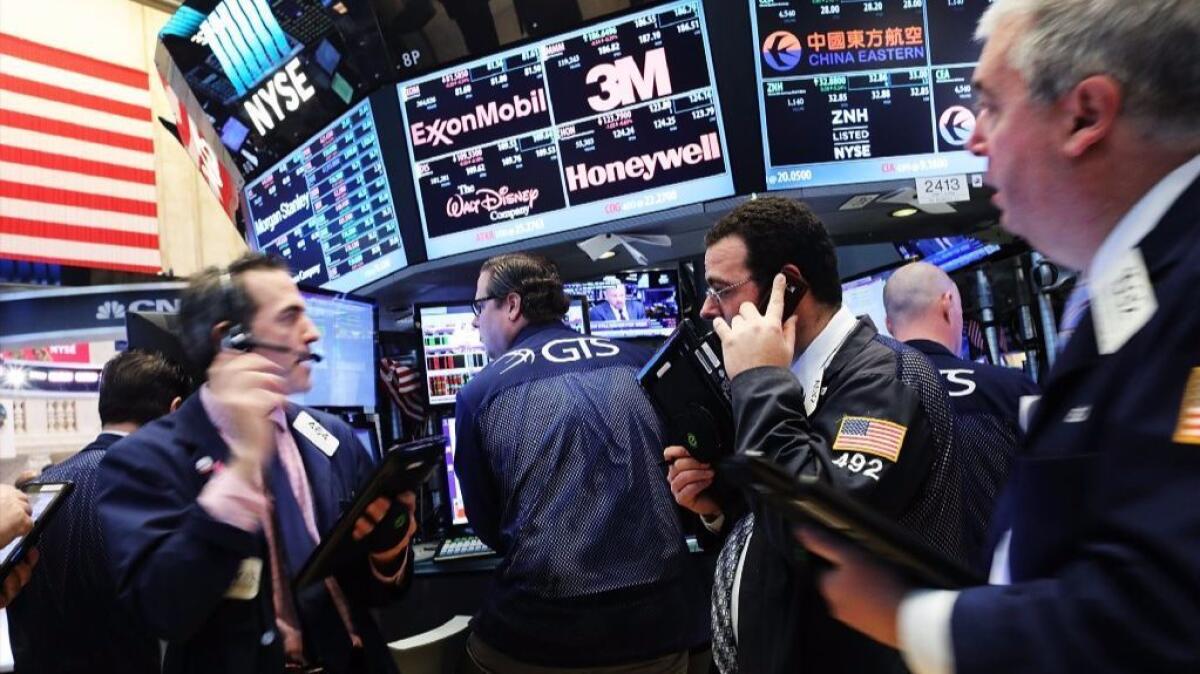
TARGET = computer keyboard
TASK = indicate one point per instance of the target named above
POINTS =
(461, 548)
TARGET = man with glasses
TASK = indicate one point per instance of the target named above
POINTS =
(558, 458)
(863, 411)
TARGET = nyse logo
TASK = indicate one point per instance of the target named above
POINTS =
(281, 94)
(580, 348)
(623, 83)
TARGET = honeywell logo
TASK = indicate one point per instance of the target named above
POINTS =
(644, 166)
(443, 131)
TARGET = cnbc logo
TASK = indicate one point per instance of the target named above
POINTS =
(110, 310)
(781, 50)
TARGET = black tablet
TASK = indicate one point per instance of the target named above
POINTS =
(809, 500)
(45, 499)
(685, 380)
(404, 468)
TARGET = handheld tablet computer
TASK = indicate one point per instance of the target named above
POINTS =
(809, 500)
(45, 499)
(404, 468)
(686, 381)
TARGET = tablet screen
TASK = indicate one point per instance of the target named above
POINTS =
(40, 498)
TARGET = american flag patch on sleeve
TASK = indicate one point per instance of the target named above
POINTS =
(871, 436)
(1187, 430)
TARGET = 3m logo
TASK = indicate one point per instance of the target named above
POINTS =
(110, 311)
(623, 83)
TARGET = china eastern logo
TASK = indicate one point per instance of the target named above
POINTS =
(782, 50)
(623, 83)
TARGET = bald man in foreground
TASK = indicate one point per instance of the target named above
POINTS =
(924, 310)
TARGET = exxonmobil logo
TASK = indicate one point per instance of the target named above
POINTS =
(443, 131)
(644, 166)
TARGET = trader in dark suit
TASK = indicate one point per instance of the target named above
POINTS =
(618, 306)
(210, 512)
(924, 310)
(846, 403)
(1088, 116)
(68, 618)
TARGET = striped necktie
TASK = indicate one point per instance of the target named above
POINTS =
(724, 643)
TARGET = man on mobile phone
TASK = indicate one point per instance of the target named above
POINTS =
(862, 411)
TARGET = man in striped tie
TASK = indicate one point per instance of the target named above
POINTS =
(857, 408)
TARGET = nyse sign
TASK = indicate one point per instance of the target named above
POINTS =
(281, 94)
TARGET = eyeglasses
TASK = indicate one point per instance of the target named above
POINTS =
(716, 294)
(477, 304)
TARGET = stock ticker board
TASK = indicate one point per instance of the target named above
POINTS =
(327, 207)
(614, 120)
(855, 91)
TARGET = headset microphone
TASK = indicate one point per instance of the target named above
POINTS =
(240, 340)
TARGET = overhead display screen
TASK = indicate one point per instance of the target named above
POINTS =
(327, 208)
(855, 91)
(602, 123)
(270, 72)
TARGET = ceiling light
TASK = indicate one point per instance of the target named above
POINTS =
(904, 212)
(607, 255)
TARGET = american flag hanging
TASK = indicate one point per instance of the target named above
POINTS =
(405, 385)
(76, 160)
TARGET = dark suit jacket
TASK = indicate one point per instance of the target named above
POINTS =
(1105, 549)
(68, 619)
(987, 430)
(174, 563)
(604, 312)
(783, 625)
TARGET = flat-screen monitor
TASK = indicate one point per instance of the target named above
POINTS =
(327, 208)
(864, 297)
(368, 437)
(853, 91)
(451, 347)
(454, 497)
(612, 120)
(346, 376)
(948, 252)
(632, 304)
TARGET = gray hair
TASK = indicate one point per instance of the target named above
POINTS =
(1152, 47)
(913, 289)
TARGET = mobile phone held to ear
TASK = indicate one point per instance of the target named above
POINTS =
(793, 292)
